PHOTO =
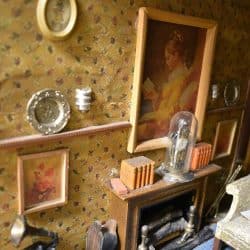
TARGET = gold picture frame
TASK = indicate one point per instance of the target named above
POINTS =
(56, 18)
(42, 180)
(224, 138)
(152, 26)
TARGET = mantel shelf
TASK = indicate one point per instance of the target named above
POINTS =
(21, 141)
(162, 185)
(226, 109)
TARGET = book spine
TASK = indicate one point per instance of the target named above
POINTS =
(195, 158)
(147, 174)
(138, 177)
(151, 174)
(143, 175)
(203, 156)
(207, 155)
(128, 175)
(200, 156)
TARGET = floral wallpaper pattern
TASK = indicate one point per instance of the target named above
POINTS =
(100, 54)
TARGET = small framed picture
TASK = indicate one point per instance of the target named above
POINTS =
(42, 180)
(172, 72)
(224, 137)
(56, 18)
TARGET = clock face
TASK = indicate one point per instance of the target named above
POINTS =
(47, 111)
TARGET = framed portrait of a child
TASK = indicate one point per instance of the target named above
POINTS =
(42, 180)
(172, 73)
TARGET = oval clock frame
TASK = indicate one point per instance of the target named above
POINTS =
(42, 13)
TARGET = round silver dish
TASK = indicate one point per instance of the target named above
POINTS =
(231, 93)
(48, 111)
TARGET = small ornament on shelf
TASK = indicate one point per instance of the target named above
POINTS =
(215, 92)
(118, 186)
(201, 155)
(182, 135)
(137, 172)
(83, 99)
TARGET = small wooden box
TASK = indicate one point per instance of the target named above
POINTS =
(137, 172)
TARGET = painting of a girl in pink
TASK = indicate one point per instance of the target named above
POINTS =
(172, 69)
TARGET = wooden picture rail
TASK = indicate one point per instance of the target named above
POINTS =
(225, 109)
(21, 141)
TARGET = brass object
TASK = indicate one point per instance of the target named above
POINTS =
(17, 231)
(213, 209)
(144, 238)
(21, 229)
(190, 226)
(48, 111)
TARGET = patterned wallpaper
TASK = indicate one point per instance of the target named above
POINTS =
(100, 54)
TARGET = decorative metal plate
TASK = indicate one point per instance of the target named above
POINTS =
(231, 93)
(48, 111)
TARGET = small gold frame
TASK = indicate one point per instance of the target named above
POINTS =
(36, 193)
(41, 13)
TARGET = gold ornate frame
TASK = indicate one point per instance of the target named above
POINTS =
(43, 25)
(163, 16)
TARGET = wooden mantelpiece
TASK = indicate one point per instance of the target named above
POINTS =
(126, 208)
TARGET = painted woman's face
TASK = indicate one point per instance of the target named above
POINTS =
(172, 56)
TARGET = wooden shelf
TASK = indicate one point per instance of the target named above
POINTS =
(21, 141)
(161, 185)
(225, 109)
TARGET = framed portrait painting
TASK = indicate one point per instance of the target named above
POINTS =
(42, 180)
(172, 73)
(224, 137)
(56, 18)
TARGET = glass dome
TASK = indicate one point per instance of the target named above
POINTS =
(182, 136)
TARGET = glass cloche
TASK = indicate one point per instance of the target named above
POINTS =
(182, 136)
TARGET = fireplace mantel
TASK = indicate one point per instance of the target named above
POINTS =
(126, 208)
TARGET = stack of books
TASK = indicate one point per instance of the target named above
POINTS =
(137, 172)
(201, 155)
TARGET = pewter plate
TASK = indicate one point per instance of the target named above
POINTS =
(48, 111)
(231, 93)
